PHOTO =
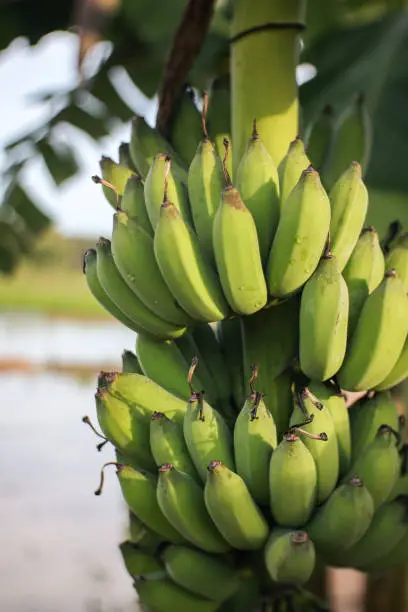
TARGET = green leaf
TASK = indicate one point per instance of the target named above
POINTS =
(94, 126)
(35, 220)
(61, 164)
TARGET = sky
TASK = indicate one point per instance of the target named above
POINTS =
(78, 207)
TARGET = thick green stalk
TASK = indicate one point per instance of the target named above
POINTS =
(263, 69)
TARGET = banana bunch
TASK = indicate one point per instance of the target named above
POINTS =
(258, 301)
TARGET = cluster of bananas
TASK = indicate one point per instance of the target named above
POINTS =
(255, 307)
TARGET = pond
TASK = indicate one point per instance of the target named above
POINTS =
(59, 543)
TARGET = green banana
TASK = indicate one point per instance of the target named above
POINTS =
(396, 556)
(363, 273)
(324, 451)
(205, 183)
(181, 501)
(200, 573)
(343, 519)
(378, 465)
(381, 331)
(144, 394)
(117, 176)
(130, 363)
(291, 167)
(336, 405)
(324, 302)
(219, 117)
(207, 435)
(398, 373)
(165, 596)
(300, 238)
(186, 126)
(159, 178)
(145, 143)
(232, 508)
(164, 363)
(352, 140)
(257, 181)
(397, 259)
(290, 556)
(140, 563)
(125, 427)
(248, 595)
(168, 446)
(133, 254)
(367, 416)
(139, 491)
(349, 203)
(279, 399)
(271, 340)
(387, 528)
(292, 482)
(141, 536)
(95, 287)
(124, 298)
(188, 275)
(228, 334)
(133, 203)
(124, 156)
(320, 139)
(238, 261)
(255, 438)
(204, 380)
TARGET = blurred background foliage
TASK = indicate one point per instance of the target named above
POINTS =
(354, 45)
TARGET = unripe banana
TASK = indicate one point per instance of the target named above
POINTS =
(125, 427)
(162, 362)
(320, 139)
(379, 336)
(279, 400)
(219, 117)
(124, 156)
(397, 259)
(204, 380)
(378, 465)
(336, 405)
(271, 340)
(115, 174)
(254, 440)
(292, 482)
(349, 203)
(367, 416)
(398, 373)
(186, 126)
(228, 333)
(188, 275)
(181, 501)
(126, 300)
(290, 556)
(300, 237)
(323, 320)
(257, 181)
(141, 563)
(95, 287)
(324, 450)
(205, 183)
(141, 536)
(130, 363)
(394, 557)
(133, 203)
(248, 595)
(238, 261)
(200, 573)
(139, 491)
(206, 435)
(291, 168)
(352, 140)
(145, 143)
(133, 253)
(232, 508)
(143, 393)
(160, 173)
(165, 596)
(168, 446)
(363, 273)
(343, 519)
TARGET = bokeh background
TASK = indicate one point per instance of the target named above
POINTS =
(73, 73)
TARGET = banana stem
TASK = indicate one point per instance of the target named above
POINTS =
(264, 56)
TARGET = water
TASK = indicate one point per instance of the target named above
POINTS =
(59, 543)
